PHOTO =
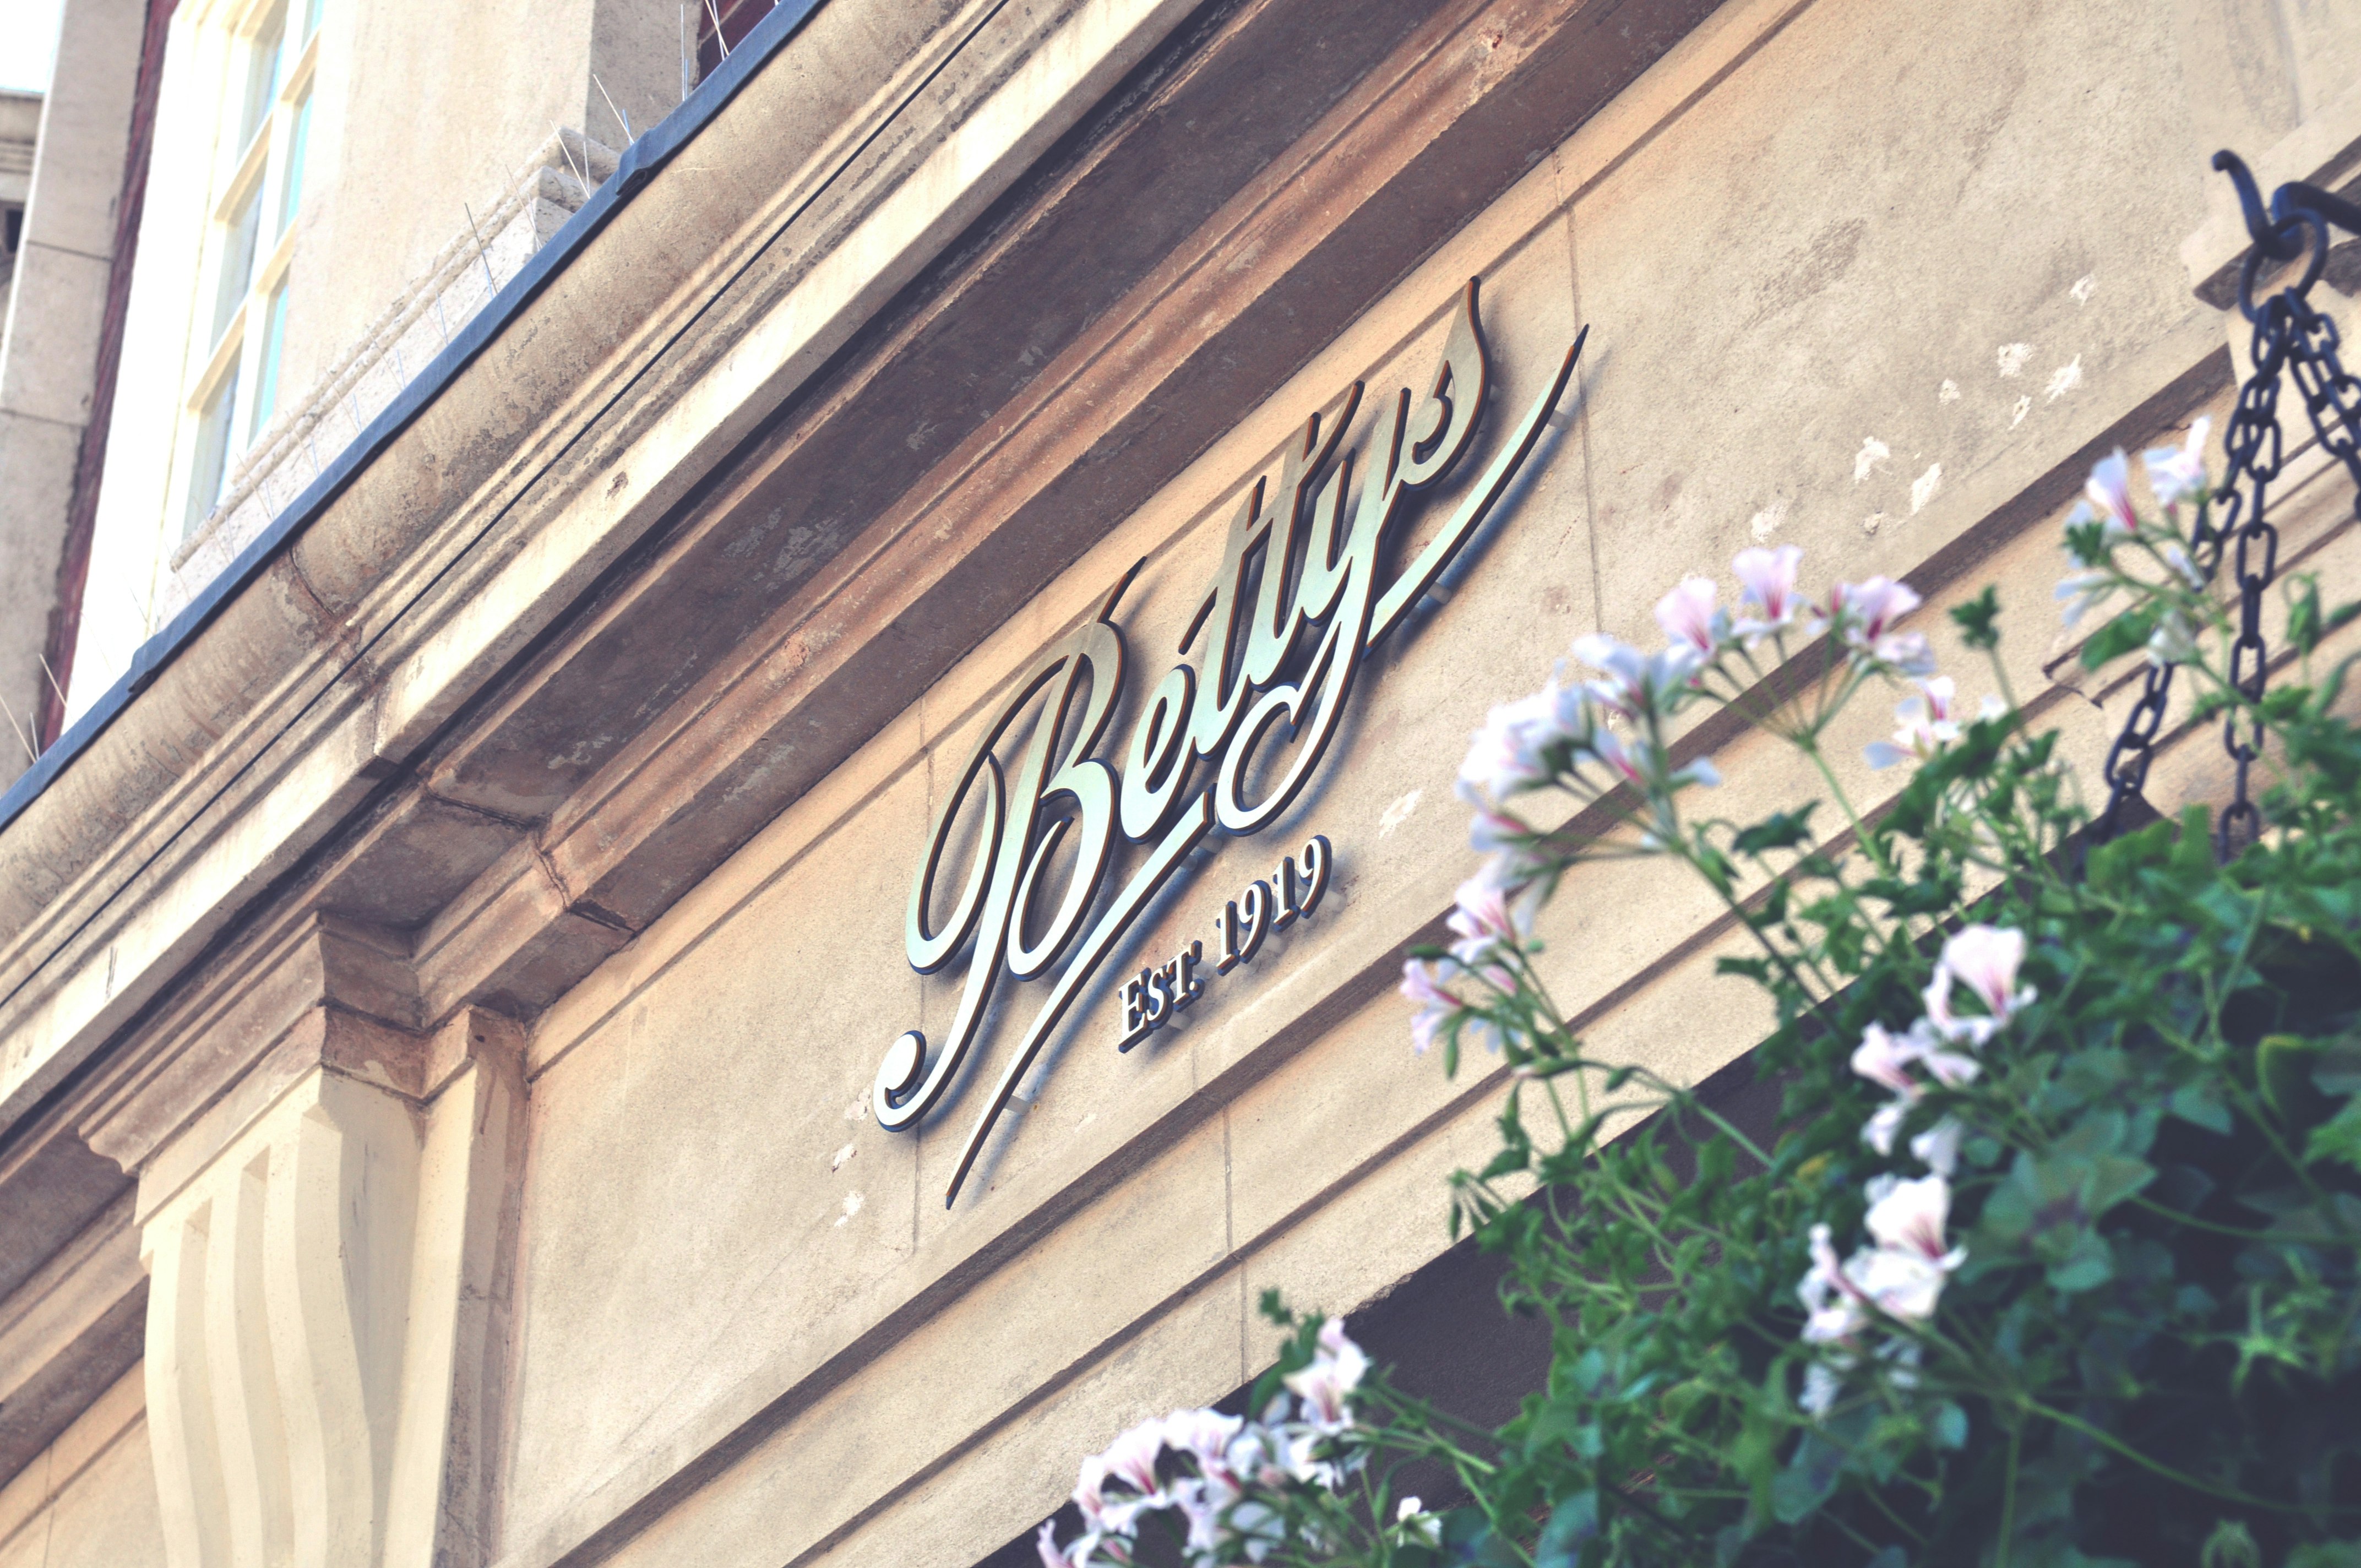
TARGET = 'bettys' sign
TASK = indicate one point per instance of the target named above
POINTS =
(1300, 572)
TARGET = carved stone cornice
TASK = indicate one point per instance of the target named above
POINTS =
(554, 737)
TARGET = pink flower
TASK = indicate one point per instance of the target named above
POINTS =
(1687, 615)
(2110, 490)
(2178, 473)
(1766, 582)
(1435, 1005)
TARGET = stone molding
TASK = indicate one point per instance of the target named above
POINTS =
(68, 1333)
(310, 431)
(425, 579)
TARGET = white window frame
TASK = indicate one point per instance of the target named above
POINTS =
(234, 358)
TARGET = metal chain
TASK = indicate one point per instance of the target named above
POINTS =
(2292, 341)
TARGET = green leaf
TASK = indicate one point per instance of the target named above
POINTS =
(2123, 635)
(2232, 1545)
(2337, 1140)
(2201, 1101)
(2283, 1070)
(1951, 1426)
(1572, 1525)
(1809, 1480)
(2303, 623)
(1979, 620)
(1780, 830)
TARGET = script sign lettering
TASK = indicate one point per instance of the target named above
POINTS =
(1300, 572)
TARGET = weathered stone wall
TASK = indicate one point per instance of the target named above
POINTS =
(481, 943)
(1862, 277)
(88, 1500)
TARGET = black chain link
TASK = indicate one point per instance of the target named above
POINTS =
(2294, 342)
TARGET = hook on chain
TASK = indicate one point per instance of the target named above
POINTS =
(2293, 341)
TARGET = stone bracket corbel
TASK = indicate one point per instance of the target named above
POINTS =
(324, 1207)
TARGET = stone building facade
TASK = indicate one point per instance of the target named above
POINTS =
(487, 1075)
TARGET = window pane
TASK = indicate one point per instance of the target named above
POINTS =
(310, 17)
(237, 262)
(274, 339)
(261, 77)
(211, 465)
(293, 187)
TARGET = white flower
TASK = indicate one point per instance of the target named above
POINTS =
(1899, 1283)
(1483, 919)
(1766, 582)
(1937, 1148)
(2110, 490)
(1435, 1005)
(1885, 1058)
(1925, 724)
(1083, 1551)
(2178, 473)
(1885, 1125)
(1864, 614)
(1688, 615)
(2082, 592)
(1204, 1435)
(1822, 1384)
(1949, 1067)
(1499, 834)
(1985, 960)
(1831, 1300)
(1323, 1389)
(2178, 559)
(1638, 685)
(1415, 1520)
(1505, 755)
(1909, 1216)
(1904, 1274)
(2174, 640)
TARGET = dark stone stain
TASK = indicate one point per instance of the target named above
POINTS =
(1818, 265)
